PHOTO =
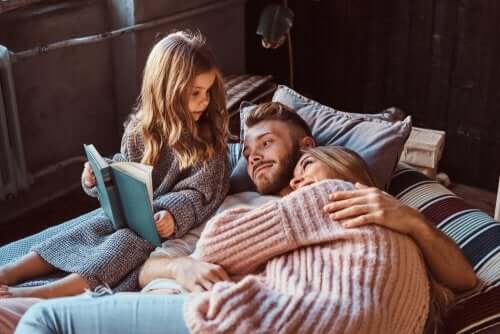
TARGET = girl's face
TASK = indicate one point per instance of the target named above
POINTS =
(199, 95)
(310, 170)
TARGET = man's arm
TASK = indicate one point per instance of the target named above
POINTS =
(373, 206)
(155, 267)
(193, 275)
(172, 261)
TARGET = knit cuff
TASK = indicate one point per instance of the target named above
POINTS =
(305, 219)
(180, 208)
(241, 241)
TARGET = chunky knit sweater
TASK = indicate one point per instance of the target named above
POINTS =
(102, 255)
(191, 195)
(302, 272)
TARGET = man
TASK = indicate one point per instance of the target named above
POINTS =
(272, 146)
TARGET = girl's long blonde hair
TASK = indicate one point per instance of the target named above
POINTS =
(162, 108)
(346, 163)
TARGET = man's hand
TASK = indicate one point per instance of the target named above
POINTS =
(196, 276)
(365, 205)
(165, 223)
(354, 208)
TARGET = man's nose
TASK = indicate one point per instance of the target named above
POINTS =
(254, 158)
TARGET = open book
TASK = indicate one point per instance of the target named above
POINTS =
(125, 191)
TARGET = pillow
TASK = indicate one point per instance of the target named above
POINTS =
(376, 138)
(476, 233)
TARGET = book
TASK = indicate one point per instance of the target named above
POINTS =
(125, 192)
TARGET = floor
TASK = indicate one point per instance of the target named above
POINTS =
(59, 211)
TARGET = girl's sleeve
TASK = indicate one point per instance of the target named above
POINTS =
(241, 240)
(194, 199)
(129, 151)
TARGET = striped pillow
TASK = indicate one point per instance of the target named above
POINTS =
(475, 232)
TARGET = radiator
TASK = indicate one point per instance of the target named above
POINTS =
(13, 174)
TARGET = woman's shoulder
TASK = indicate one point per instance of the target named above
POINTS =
(332, 184)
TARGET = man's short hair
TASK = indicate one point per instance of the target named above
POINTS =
(277, 111)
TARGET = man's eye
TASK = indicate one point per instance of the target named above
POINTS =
(267, 142)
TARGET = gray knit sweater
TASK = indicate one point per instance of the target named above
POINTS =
(191, 195)
(100, 254)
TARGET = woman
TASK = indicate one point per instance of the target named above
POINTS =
(304, 271)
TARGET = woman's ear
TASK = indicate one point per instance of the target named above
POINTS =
(307, 142)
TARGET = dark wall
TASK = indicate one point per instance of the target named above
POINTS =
(82, 94)
(436, 59)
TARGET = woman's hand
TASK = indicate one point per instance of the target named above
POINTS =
(165, 223)
(88, 176)
(364, 205)
(196, 276)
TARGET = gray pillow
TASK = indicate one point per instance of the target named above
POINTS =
(377, 138)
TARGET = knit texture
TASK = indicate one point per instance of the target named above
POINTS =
(190, 195)
(93, 249)
(305, 273)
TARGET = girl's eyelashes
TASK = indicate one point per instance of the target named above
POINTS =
(198, 93)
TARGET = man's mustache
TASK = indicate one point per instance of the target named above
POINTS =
(259, 164)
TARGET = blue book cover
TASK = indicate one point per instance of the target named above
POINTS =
(125, 193)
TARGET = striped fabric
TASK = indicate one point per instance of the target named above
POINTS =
(233, 154)
(475, 232)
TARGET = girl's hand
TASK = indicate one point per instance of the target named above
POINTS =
(364, 205)
(195, 275)
(165, 223)
(88, 176)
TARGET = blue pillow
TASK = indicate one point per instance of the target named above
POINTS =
(377, 138)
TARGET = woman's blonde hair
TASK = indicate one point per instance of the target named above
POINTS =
(162, 108)
(346, 163)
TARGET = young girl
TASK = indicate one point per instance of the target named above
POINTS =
(180, 128)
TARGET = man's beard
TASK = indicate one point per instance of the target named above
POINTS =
(283, 176)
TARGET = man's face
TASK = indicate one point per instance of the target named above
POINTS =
(271, 154)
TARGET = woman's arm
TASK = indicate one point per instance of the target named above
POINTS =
(373, 206)
(241, 240)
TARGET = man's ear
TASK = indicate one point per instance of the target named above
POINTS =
(307, 142)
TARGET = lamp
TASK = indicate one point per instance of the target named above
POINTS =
(274, 26)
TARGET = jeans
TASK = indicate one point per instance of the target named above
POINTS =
(120, 313)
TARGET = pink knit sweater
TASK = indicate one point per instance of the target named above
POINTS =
(305, 273)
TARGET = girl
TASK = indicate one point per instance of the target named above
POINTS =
(180, 128)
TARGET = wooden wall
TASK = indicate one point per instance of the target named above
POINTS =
(439, 60)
